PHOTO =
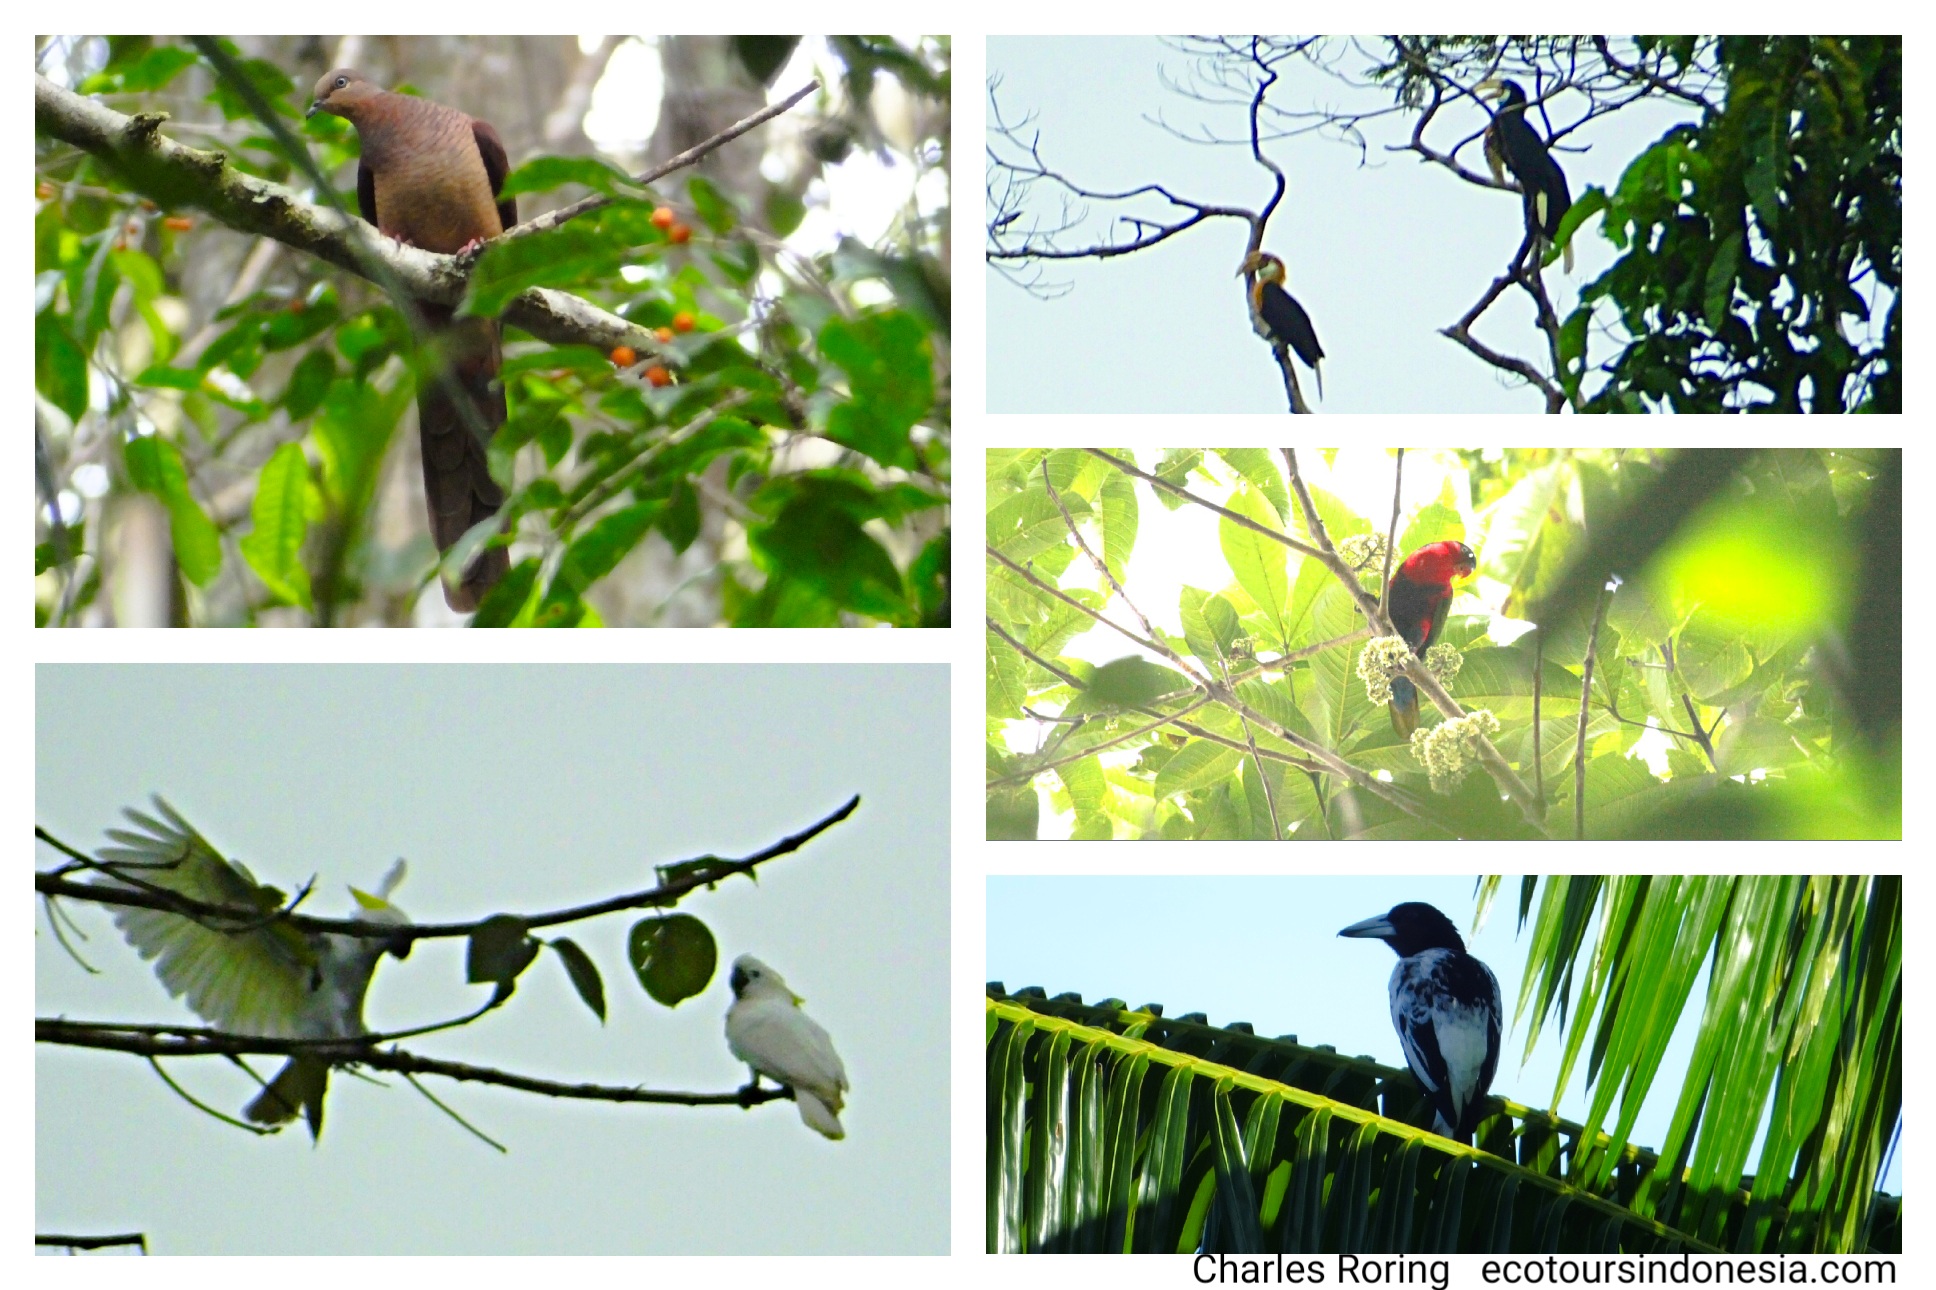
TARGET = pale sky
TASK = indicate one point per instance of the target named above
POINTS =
(512, 788)
(1382, 254)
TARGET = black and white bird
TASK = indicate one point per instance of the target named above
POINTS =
(1445, 1006)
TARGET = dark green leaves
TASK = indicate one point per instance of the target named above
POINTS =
(890, 380)
(583, 973)
(155, 466)
(674, 957)
(498, 952)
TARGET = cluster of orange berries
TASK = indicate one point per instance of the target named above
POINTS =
(676, 231)
(625, 355)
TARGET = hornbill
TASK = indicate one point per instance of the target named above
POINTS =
(1512, 144)
(1283, 316)
(1445, 1006)
(1416, 601)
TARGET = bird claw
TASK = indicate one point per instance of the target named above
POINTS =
(471, 249)
(750, 1091)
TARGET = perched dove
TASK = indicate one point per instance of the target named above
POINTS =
(766, 1029)
(250, 977)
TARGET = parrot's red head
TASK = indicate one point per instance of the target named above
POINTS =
(1440, 562)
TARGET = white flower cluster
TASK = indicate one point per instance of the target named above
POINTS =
(1363, 551)
(1451, 748)
(1443, 661)
(1381, 657)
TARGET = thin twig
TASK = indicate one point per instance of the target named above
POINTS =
(688, 157)
(1586, 693)
(1539, 766)
(1391, 534)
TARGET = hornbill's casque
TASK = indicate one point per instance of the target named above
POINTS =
(1445, 1007)
(1284, 316)
(1512, 144)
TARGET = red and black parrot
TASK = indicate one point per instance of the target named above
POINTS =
(1420, 594)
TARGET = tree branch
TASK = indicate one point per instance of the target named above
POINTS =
(175, 176)
(703, 871)
(191, 1042)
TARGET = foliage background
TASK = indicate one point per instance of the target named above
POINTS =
(214, 414)
(1750, 657)
(1737, 219)
(1690, 1062)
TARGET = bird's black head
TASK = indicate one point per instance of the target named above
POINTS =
(1409, 929)
(1509, 93)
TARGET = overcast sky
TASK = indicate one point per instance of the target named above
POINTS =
(1383, 249)
(521, 789)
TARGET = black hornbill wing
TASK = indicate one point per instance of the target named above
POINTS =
(1286, 318)
(1539, 176)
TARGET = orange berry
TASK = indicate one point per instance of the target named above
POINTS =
(679, 233)
(663, 333)
(663, 218)
(44, 190)
(623, 356)
(683, 321)
(180, 223)
(658, 375)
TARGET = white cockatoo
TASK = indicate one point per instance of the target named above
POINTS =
(766, 1029)
(257, 976)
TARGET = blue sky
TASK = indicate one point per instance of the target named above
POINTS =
(1267, 951)
(1383, 249)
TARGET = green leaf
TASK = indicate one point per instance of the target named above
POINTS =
(1127, 683)
(565, 255)
(1260, 563)
(674, 957)
(714, 207)
(583, 972)
(816, 541)
(890, 380)
(784, 212)
(155, 466)
(273, 548)
(60, 365)
(542, 174)
(597, 551)
(500, 949)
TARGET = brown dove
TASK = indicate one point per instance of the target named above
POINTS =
(430, 176)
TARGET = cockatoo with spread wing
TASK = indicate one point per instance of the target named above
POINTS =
(251, 975)
(766, 1029)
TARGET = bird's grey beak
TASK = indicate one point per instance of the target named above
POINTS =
(1372, 928)
(1489, 89)
(314, 108)
(738, 981)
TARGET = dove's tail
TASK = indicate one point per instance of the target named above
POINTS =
(818, 1116)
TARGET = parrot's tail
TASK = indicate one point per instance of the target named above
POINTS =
(1404, 706)
(298, 1086)
(818, 1116)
